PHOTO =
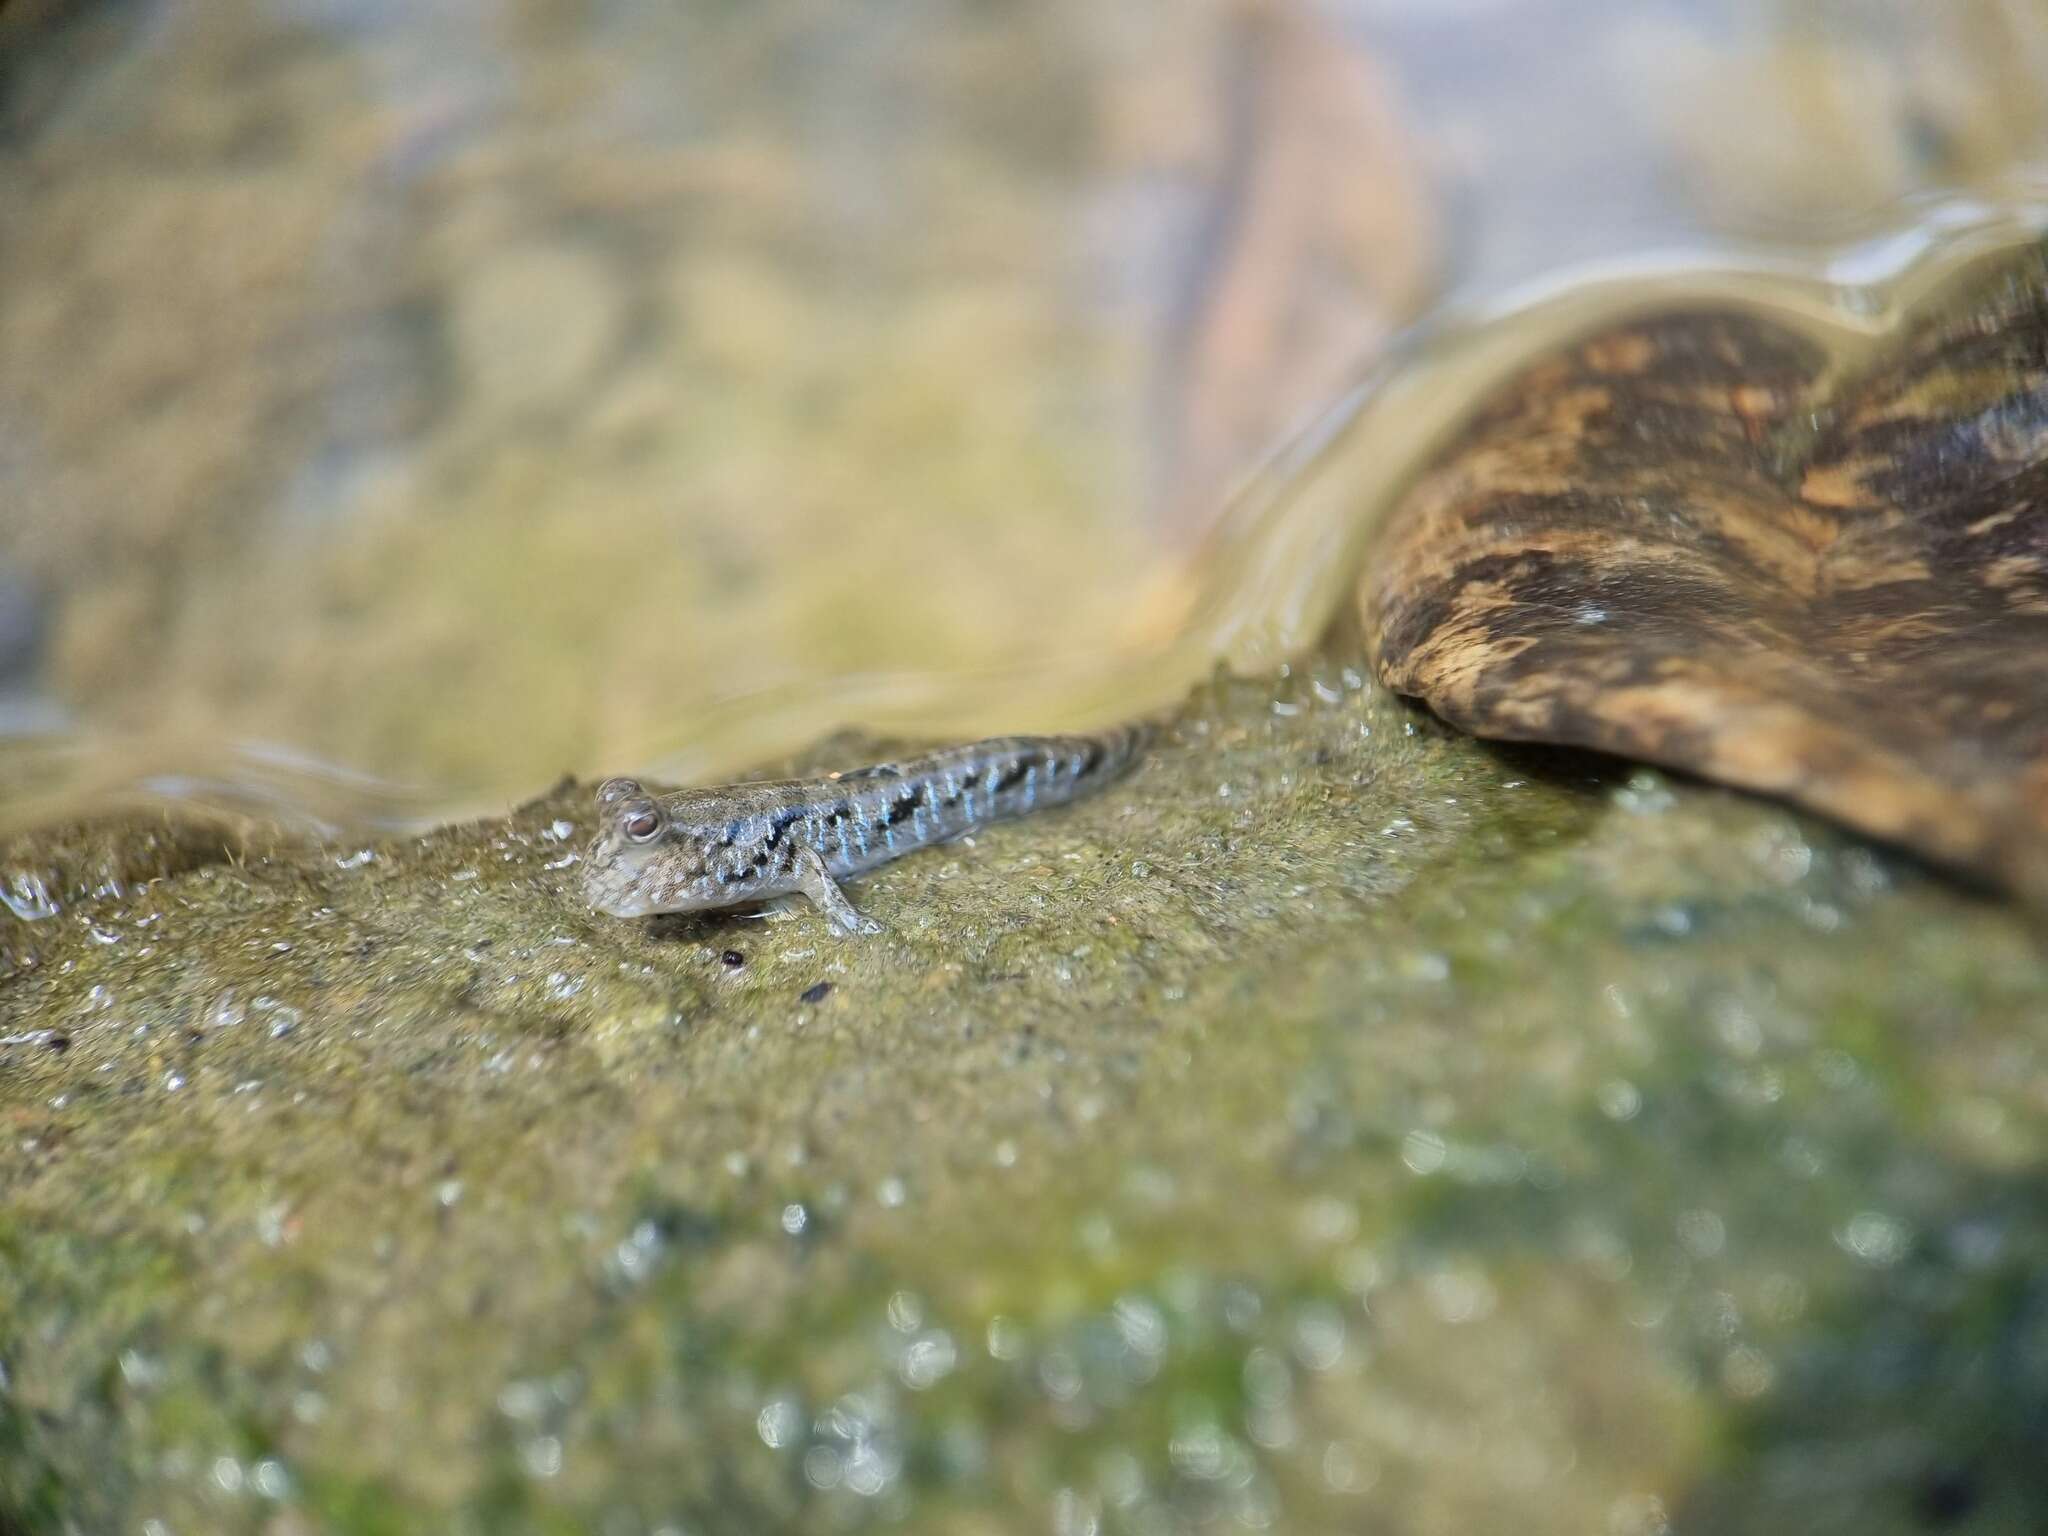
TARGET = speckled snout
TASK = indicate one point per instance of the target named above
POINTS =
(615, 865)
(611, 882)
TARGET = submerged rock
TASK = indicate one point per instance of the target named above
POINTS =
(1339, 1123)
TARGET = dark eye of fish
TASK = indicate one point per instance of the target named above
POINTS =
(642, 825)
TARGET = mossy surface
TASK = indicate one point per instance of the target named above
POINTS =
(1338, 1124)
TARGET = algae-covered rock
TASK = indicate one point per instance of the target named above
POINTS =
(1338, 1124)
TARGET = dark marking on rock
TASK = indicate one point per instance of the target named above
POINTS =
(816, 994)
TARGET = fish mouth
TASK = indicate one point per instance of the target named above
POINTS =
(614, 903)
(609, 887)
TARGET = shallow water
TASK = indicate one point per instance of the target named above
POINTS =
(406, 409)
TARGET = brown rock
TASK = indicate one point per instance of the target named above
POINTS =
(1679, 540)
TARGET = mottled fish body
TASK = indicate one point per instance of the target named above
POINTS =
(700, 849)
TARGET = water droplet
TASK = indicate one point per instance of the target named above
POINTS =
(1838, 1069)
(1746, 1372)
(1005, 1339)
(1327, 1220)
(1701, 1233)
(28, 897)
(1673, 920)
(929, 1359)
(1801, 1158)
(779, 1423)
(541, 1457)
(1203, 1452)
(1142, 1326)
(270, 1479)
(1736, 1026)
(1460, 1295)
(1358, 1271)
(1345, 1471)
(634, 1257)
(1059, 1374)
(1645, 794)
(1423, 1152)
(1318, 1336)
(525, 1401)
(1782, 1298)
(1428, 966)
(1074, 1515)
(1242, 1307)
(1619, 1099)
(1878, 1239)
(1266, 1376)
(1637, 1514)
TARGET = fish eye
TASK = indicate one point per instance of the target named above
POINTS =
(611, 791)
(641, 823)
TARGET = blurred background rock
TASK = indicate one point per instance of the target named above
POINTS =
(470, 395)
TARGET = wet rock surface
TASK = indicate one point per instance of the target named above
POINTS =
(1338, 1124)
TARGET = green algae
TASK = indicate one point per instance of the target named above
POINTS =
(1338, 1123)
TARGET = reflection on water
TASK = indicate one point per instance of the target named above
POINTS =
(466, 395)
